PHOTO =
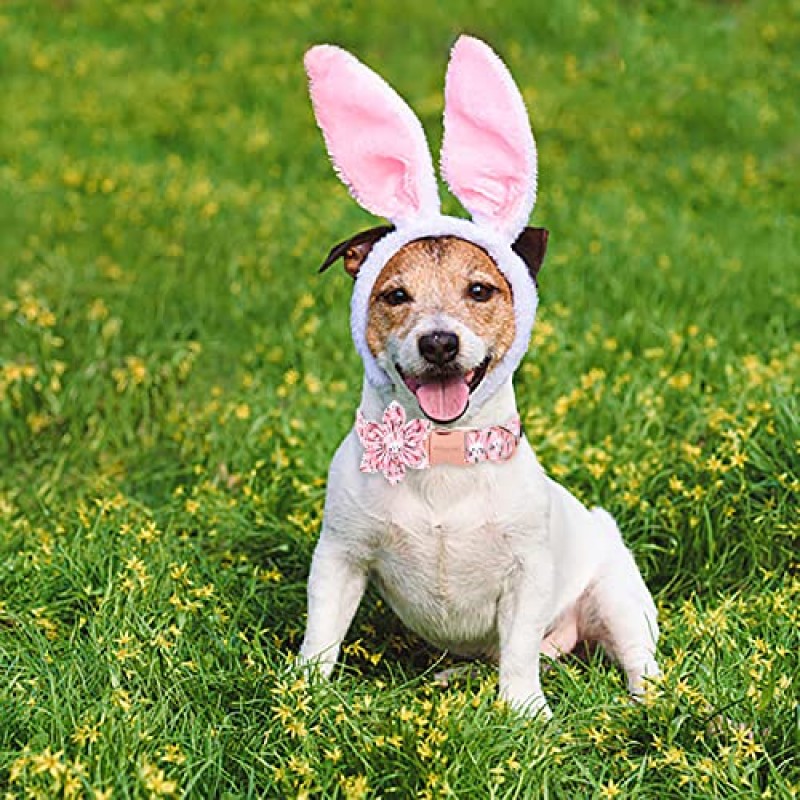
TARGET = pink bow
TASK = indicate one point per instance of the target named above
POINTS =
(394, 445)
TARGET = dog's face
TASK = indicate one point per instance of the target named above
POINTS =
(441, 314)
(441, 317)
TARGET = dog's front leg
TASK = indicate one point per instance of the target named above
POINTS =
(522, 622)
(335, 588)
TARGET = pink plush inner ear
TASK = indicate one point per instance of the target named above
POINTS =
(375, 141)
(488, 152)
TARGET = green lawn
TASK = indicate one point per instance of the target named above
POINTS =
(175, 376)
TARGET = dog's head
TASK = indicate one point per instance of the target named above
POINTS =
(441, 314)
(442, 306)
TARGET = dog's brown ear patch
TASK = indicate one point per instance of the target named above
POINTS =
(355, 249)
(531, 246)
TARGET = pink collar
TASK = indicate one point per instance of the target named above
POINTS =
(395, 445)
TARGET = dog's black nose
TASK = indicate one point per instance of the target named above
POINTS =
(439, 347)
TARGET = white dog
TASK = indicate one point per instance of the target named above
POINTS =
(436, 495)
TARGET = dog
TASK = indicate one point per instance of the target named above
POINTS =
(436, 495)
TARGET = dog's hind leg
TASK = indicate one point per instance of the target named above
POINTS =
(563, 636)
(618, 611)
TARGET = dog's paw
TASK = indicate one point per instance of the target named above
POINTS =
(643, 680)
(313, 667)
(529, 705)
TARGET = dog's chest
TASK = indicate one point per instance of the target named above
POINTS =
(445, 544)
(444, 552)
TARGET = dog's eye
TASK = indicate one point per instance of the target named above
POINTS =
(396, 297)
(480, 292)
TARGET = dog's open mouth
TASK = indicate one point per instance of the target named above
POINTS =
(444, 397)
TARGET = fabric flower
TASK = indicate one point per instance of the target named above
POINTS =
(394, 445)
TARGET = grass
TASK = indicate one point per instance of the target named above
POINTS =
(174, 378)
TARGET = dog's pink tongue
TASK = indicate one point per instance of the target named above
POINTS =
(444, 400)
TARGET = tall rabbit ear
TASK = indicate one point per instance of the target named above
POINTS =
(488, 152)
(374, 139)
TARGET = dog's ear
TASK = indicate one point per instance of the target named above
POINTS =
(531, 246)
(355, 249)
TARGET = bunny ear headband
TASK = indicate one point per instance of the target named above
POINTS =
(378, 149)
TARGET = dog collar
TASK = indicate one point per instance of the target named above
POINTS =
(395, 444)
